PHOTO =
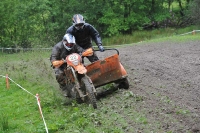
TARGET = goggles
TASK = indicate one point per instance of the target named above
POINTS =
(69, 44)
(80, 25)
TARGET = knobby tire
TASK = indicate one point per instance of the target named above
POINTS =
(89, 92)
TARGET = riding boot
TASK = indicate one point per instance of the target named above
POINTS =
(65, 90)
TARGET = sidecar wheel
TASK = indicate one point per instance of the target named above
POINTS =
(89, 91)
(124, 84)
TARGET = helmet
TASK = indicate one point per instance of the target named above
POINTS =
(68, 41)
(78, 21)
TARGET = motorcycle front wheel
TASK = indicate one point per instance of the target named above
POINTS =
(91, 98)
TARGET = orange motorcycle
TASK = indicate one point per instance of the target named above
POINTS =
(82, 88)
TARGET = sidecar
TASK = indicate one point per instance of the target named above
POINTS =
(108, 70)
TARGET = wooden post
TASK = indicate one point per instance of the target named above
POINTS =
(7, 82)
(193, 32)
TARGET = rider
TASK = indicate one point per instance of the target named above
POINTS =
(59, 52)
(84, 33)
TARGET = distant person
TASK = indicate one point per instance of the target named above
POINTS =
(84, 33)
(60, 51)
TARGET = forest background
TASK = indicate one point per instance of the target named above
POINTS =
(42, 23)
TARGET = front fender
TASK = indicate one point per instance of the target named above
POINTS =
(80, 69)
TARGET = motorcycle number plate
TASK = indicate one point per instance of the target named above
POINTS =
(73, 57)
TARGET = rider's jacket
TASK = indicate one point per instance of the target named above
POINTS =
(59, 52)
(85, 36)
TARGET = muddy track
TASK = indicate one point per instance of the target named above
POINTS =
(166, 77)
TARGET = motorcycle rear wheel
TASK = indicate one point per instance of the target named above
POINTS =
(91, 98)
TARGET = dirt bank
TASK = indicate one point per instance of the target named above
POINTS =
(165, 77)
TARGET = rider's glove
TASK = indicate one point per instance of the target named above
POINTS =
(101, 48)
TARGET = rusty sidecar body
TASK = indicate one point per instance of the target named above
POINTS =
(108, 70)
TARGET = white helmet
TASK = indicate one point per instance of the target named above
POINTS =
(68, 41)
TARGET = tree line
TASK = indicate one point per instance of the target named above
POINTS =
(41, 23)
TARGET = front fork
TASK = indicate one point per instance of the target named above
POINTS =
(77, 83)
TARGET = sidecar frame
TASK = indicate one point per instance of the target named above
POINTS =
(108, 70)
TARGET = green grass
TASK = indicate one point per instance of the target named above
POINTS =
(158, 34)
(19, 111)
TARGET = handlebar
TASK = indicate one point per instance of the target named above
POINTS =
(110, 49)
